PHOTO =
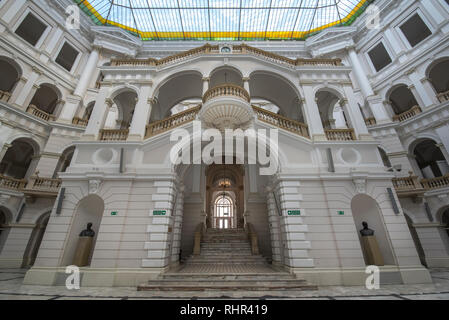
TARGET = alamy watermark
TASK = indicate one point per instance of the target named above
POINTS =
(73, 280)
(373, 280)
(372, 20)
(73, 19)
(251, 147)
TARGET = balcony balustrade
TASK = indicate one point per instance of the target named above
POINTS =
(80, 122)
(226, 90)
(11, 183)
(34, 186)
(32, 109)
(444, 96)
(436, 183)
(282, 122)
(408, 114)
(340, 134)
(5, 96)
(174, 121)
(114, 134)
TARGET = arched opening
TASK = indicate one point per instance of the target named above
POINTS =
(366, 209)
(35, 241)
(5, 220)
(402, 100)
(11, 74)
(276, 94)
(385, 159)
(17, 162)
(430, 159)
(225, 75)
(89, 210)
(46, 99)
(438, 75)
(332, 113)
(223, 212)
(445, 221)
(64, 161)
(122, 110)
(184, 88)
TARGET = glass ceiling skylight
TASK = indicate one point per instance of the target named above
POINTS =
(223, 19)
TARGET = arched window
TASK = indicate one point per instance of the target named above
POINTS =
(224, 213)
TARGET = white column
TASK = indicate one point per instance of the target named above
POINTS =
(99, 114)
(312, 115)
(246, 85)
(74, 101)
(443, 133)
(177, 225)
(355, 115)
(374, 102)
(18, 90)
(28, 91)
(142, 113)
(275, 233)
(421, 91)
(89, 70)
(434, 12)
(206, 82)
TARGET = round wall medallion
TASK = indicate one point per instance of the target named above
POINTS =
(103, 156)
(349, 156)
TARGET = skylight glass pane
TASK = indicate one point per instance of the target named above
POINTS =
(223, 19)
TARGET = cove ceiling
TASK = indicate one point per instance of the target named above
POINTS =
(223, 19)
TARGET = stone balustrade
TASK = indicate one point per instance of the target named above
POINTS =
(226, 90)
(408, 114)
(80, 122)
(282, 122)
(213, 49)
(171, 122)
(35, 111)
(5, 96)
(436, 183)
(11, 183)
(444, 96)
(370, 122)
(114, 134)
(42, 186)
(340, 134)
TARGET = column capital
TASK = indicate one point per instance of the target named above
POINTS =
(109, 102)
(246, 79)
(206, 78)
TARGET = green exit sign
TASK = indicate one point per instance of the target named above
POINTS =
(114, 213)
(159, 212)
(294, 212)
(341, 213)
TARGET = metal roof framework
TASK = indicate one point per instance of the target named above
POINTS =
(242, 20)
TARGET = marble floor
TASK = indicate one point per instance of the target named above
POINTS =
(11, 288)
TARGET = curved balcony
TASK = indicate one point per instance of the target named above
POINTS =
(226, 90)
(340, 134)
(174, 121)
(226, 107)
(35, 111)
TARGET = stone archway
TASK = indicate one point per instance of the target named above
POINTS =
(225, 180)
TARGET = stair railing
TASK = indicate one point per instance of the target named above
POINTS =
(252, 236)
(197, 239)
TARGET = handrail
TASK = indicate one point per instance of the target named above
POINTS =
(282, 122)
(80, 122)
(226, 90)
(44, 185)
(252, 236)
(436, 183)
(340, 134)
(443, 96)
(5, 96)
(415, 110)
(40, 114)
(197, 239)
(207, 48)
(406, 183)
(114, 134)
(169, 123)
(11, 183)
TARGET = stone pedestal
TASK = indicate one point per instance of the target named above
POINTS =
(372, 252)
(83, 251)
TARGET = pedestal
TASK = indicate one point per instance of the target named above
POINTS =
(83, 251)
(372, 252)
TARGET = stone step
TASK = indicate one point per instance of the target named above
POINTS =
(224, 286)
(228, 276)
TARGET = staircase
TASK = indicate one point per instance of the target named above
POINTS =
(226, 264)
